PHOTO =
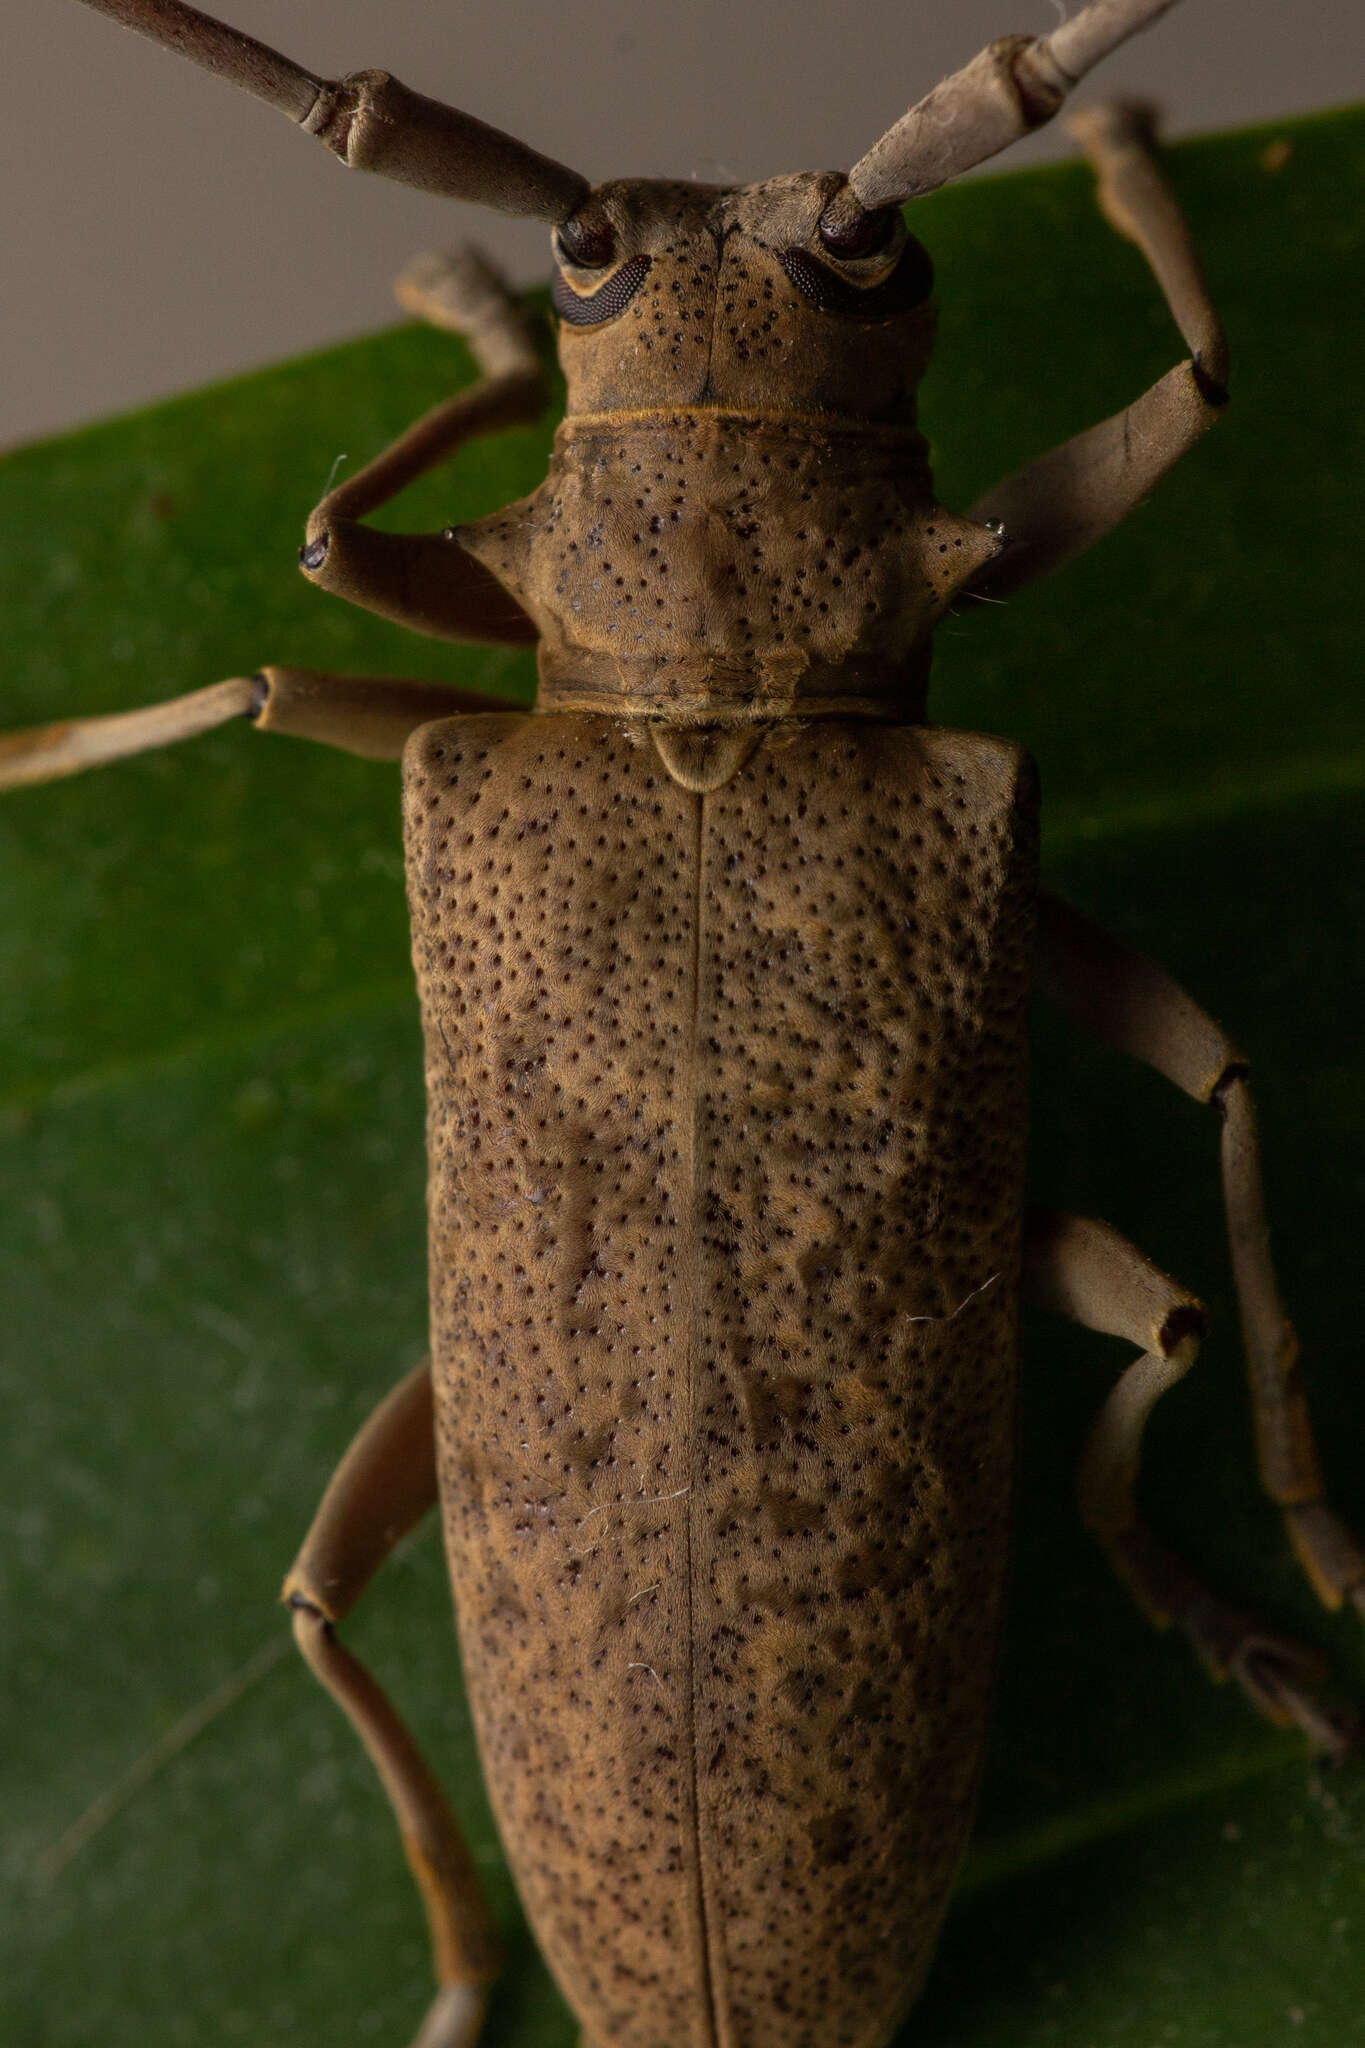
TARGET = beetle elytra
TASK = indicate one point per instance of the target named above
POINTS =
(705, 747)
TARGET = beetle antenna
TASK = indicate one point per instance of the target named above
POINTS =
(368, 119)
(1008, 89)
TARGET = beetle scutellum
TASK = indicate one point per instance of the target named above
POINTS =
(789, 1630)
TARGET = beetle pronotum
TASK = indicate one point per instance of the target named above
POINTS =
(706, 741)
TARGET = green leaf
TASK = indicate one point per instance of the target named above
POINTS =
(211, 1119)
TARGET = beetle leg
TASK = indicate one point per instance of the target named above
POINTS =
(460, 291)
(1085, 1270)
(428, 581)
(44, 753)
(422, 580)
(369, 715)
(1119, 137)
(1287, 1454)
(1071, 497)
(384, 1485)
(1122, 997)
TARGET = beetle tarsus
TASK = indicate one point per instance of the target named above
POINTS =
(1282, 1680)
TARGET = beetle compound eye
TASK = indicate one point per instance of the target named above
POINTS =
(590, 242)
(862, 234)
(587, 244)
(906, 285)
(613, 295)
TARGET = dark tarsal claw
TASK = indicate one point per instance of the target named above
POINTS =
(1282, 1679)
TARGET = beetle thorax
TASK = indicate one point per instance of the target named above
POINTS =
(739, 515)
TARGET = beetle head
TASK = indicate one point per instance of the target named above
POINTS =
(691, 294)
(778, 296)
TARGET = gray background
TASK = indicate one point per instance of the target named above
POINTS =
(162, 229)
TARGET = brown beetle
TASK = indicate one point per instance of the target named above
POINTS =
(723, 952)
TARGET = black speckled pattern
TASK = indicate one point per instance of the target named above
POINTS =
(726, 1141)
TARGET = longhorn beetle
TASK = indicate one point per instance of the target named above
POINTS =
(723, 952)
